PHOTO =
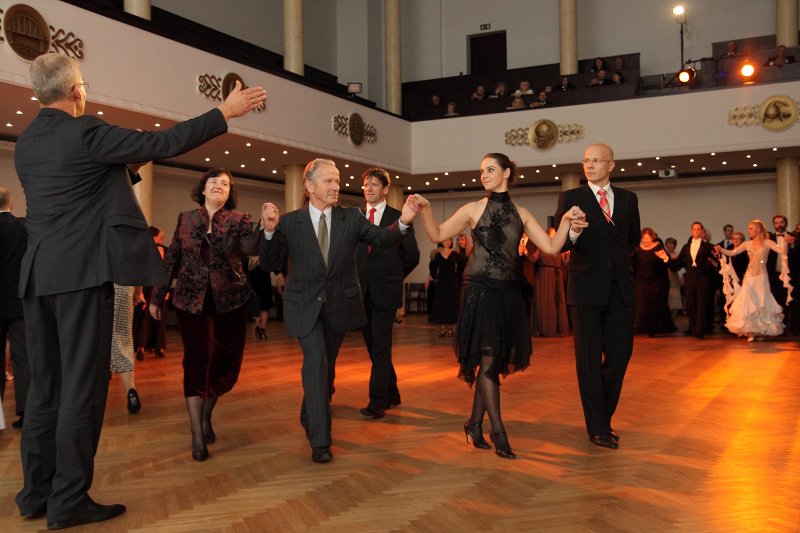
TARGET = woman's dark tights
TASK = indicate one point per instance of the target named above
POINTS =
(487, 397)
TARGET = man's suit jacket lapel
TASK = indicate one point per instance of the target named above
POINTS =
(306, 231)
(594, 207)
(337, 233)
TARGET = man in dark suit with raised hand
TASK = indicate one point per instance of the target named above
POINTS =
(697, 257)
(13, 241)
(316, 245)
(601, 291)
(381, 272)
(785, 239)
(85, 232)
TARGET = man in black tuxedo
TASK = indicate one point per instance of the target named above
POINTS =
(13, 241)
(381, 272)
(784, 239)
(85, 232)
(697, 257)
(316, 245)
(601, 290)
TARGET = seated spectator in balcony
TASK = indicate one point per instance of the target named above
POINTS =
(500, 90)
(731, 51)
(541, 101)
(565, 84)
(780, 59)
(436, 100)
(451, 110)
(524, 88)
(599, 64)
(517, 103)
(479, 94)
(619, 63)
(617, 78)
(599, 80)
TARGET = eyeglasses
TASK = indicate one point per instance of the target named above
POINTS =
(594, 161)
(85, 85)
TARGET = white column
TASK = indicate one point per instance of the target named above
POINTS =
(568, 36)
(140, 8)
(144, 191)
(293, 190)
(786, 22)
(788, 188)
(569, 180)
(293, 36)
(394, 82)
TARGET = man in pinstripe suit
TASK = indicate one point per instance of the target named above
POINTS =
(316, 245)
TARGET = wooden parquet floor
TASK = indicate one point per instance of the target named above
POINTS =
(710, 437)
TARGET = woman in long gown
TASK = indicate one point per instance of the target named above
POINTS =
(754, 313)
(552, 319)
(652, 286)
(493, 334)
(446, 267)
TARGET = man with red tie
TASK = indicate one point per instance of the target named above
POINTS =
(381, 272)
(601, 290)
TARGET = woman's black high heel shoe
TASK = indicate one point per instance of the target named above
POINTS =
(501, 446)
(134, 403)
(474, 433)
(199, 450)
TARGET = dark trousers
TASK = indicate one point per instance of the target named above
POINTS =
(69, 348)
(213, 348)
(603, 339)
(13, 329)
(697, 289)
(378, 337)
(320, 348)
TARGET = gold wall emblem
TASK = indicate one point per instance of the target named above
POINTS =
(26, 32)
(355, 128)
(545, 134)
(218, 88)
(778, 113)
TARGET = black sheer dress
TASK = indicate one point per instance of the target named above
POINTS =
(493, 320)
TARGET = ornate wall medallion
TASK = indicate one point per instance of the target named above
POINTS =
(26, 32)
(218, 88)
(778, 113)
(545, 134)
(354, 127)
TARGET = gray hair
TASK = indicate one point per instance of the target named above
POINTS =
(53, 76)
(311, 168)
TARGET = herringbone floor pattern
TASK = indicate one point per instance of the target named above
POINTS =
(710, 442)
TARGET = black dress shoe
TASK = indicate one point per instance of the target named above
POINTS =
(94, 512)
(373, 411)
(140, 354)
(321, 454)
(38, 513)
(605, 441)
(17, 424)
(614, 436)
(159, 353)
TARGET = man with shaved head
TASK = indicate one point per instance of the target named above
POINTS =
(601, 289)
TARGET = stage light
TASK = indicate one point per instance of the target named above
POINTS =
(747, 70)
(686, 75)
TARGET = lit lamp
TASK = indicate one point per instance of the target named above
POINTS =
(684, 75)
(747, 71)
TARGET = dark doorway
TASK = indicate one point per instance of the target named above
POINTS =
(487, 52)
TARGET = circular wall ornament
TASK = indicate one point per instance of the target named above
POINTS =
(26, 32)
(778, 113)
(229, 83)
(355, 129)
(543, 134)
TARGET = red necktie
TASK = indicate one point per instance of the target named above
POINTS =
(371, 218)
(604, 204)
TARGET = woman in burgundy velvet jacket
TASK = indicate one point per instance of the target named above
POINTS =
(211, 292)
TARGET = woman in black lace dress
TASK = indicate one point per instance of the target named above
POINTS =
(493, 334)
